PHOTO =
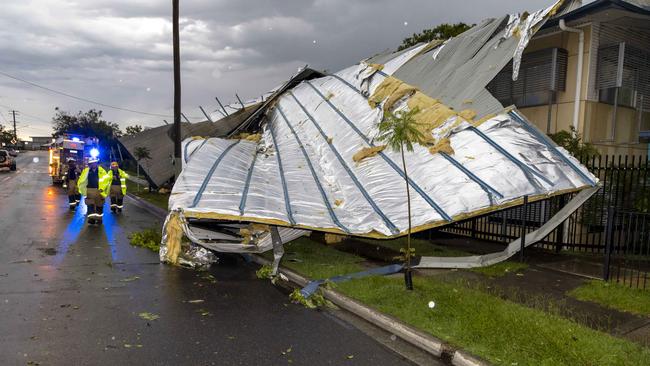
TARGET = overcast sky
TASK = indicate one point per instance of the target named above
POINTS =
(118, 52)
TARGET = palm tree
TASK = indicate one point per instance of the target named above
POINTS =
(400, 131)
(141, 153)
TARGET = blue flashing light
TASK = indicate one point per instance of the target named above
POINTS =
(94, 153)
(75, 139)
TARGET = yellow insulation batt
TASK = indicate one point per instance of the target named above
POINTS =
(468, 114)
(333, 238)
(442, 146)
(431, 112)
(249, 232)
(174, 233)
(255, 137)
(376, 67)
(367, 152)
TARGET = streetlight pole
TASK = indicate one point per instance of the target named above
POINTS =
(177, 88)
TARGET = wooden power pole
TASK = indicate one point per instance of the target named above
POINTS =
(15, 130)
(177, 87)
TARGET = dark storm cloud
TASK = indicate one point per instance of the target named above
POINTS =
(119, 51)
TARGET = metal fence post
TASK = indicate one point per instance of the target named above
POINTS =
(523, 229)
(609, 230)
(473, 227)
(559, 232)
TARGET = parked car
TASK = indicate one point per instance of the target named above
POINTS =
(7, 161)
(12, 151)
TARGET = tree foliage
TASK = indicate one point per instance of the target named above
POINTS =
(572, 142)
(5, 135)
(88, 124)
(443, 31)
(400, 130)
(133, 130)
(142, 153)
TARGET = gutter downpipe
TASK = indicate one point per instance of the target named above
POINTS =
(581, 49)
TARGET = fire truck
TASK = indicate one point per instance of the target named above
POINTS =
(68, 147)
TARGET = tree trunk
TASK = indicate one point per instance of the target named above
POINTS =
(408, 279)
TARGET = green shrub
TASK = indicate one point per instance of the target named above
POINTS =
(148, 238)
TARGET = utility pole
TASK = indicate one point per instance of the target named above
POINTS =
(177, 88)
(15, 131)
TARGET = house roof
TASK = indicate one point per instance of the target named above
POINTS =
(641, 7)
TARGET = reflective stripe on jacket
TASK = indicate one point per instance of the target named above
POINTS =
(104, 183)
(123, 177)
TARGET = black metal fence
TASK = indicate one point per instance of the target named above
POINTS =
(625, 189)
(627, 253)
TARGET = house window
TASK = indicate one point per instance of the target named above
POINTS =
(624, 68)
(541, 74)
(623, 80)
(625, 97)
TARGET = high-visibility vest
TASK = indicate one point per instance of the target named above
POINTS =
(104, 183)
(123, 177)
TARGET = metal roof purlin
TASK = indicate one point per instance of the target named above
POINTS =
(545, 141)
(249, 175)
(326, 201)
(526, 169)
(287, 202)
(204, 185)
(486, 187)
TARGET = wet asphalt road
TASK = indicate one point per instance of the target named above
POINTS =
(72, 294)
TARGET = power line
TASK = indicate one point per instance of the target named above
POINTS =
(82, 99)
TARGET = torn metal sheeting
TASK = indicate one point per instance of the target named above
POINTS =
(514, 246)
(159, 140)
(299, 171)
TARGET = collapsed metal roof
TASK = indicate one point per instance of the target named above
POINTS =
(314, 162)
(159, 140)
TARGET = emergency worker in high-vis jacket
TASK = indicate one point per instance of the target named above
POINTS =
(71, 176)
(117, 177)
(94, 185)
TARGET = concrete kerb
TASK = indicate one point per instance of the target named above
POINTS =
(411, 335)
(153, 209)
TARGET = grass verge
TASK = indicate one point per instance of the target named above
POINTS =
(614, 296)
(318, 261)
(422, 247)
(500, 331)
(158, 199)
